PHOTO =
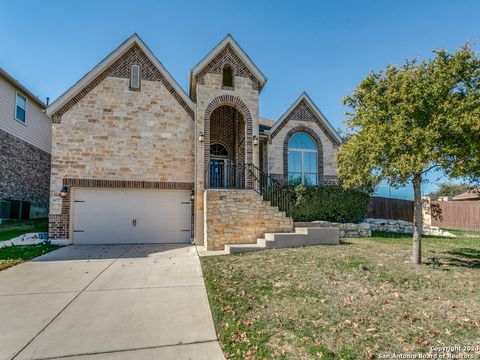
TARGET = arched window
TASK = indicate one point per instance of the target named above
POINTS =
(218, 150)
(302, 160)
(227, 76)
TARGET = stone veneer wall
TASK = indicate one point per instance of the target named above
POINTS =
(346, 230)
(364, 229)
(129, 139)
(404, 227)
(209, 95)
(300, 118)
(24, 171)
(240, 217)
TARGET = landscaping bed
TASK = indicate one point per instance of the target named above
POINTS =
(19, 227)
(354, 301)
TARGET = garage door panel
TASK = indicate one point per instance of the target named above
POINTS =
(106, 216)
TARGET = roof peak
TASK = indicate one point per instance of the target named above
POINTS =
(304, 96)
(132, 40)
(227, 40)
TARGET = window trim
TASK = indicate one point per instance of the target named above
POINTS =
(17, 93)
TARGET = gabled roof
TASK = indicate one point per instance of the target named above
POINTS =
(22, 88)
(105, 63)
(228, 40)
(317, 113)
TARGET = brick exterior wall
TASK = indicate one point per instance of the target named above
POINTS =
(303, 119)
(115, 134)
(223, 123)
(240, 217)
(24, 171)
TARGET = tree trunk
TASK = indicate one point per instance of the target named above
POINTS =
(417, 220)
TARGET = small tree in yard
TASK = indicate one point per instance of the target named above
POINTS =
(410, 119)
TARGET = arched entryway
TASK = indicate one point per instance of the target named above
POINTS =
(228, 143)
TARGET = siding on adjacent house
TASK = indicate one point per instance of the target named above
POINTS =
(37, 129)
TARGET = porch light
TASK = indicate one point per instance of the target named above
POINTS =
(255, 140)
(64, 192)
(201, 137)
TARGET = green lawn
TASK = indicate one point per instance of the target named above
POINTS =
(20, 227)
(13, 255)
(320, 302)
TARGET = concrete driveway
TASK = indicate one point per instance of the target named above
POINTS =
(107, 302)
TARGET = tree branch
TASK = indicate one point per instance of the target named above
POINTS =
(430, 168)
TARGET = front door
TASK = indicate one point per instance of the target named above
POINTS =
(217, 173)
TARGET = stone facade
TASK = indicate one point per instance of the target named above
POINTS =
(303, 119)
(121, 69)
(25, 171)
(114, 133)
(364, 229)
(240, 217)
(210, 96)
(106, 134)
(404, 227)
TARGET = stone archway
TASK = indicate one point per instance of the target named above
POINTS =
(239, 106)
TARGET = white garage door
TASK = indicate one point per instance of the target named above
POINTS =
(117, 216)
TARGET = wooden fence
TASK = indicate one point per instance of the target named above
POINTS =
(456, 214)
(388, 208)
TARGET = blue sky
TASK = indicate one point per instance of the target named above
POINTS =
(322, 47)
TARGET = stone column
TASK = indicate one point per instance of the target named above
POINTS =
(427, 211)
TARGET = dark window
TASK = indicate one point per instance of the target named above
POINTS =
(21, 108)
(227, 76)
(218, 150)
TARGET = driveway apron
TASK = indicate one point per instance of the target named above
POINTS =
(107, 302)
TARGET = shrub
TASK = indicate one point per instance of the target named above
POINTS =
(328, 203)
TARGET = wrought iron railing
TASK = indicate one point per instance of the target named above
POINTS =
(222, 175)
(271, 190)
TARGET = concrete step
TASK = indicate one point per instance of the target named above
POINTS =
(323, 236)
(283, 240)
(243, 248)
(301, 237)
(267, 244)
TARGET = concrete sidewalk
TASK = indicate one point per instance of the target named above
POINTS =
(108, 302)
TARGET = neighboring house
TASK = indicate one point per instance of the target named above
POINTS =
(470, 195)
(136, 159)
(25, 147)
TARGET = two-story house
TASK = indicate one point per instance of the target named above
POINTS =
(136, 159)
(25, 147)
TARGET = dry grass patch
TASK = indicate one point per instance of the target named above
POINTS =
(353, 301)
